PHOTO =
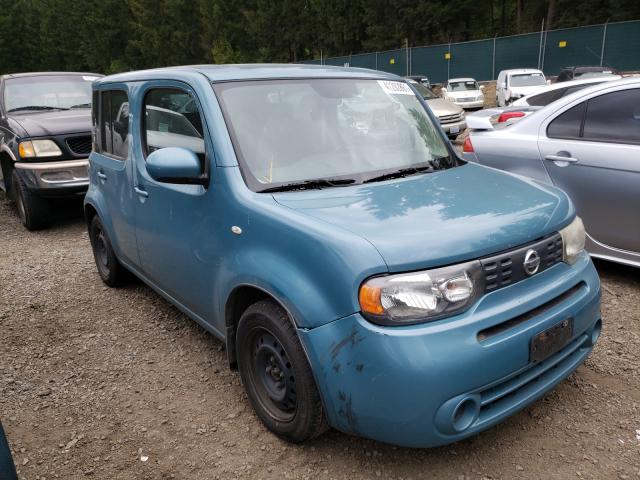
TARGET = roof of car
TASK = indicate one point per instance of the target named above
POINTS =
(46, 74)
(255, 71)
(462, 79)
(521, 70)
(588, 69)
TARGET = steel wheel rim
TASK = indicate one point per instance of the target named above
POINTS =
(100, 249)
(273, 375)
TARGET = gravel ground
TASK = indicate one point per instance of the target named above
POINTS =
(118, 384)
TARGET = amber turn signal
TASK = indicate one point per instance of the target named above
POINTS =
(369, 298)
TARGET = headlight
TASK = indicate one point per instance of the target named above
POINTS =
(573, 237)
(38, 148)
(422, 296)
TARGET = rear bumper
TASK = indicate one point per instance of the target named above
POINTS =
(55, 178)
(406, 385)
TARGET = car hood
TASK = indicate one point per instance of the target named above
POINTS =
(439, 218)
(440, 107)
(55, 122)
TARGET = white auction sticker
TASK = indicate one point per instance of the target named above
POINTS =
(88, 78)
(395, 88)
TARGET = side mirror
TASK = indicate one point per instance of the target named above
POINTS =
(443, 90)
(503, 85)
(175, 165)
(482, 88)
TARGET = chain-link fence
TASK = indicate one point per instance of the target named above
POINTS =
(614, 45)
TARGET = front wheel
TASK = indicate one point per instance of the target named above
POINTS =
(33, 210)
(276, 374)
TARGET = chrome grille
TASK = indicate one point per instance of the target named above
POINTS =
(456, 117)
(508, 267)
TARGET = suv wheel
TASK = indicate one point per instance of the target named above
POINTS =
(33, 210)
(276, 374)
(109, 268)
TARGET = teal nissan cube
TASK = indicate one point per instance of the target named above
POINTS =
(360, 273)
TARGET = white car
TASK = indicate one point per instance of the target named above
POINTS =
(550, 93)
(517, 83)
(464, 92)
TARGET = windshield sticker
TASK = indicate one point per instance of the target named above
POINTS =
(395, 88)
(89, 79)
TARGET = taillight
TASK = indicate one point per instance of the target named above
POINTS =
(467, 146)
(508, 115)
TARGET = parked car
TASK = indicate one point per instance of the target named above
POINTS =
(451, 116)
(516, 83)
(360, 274)
(464, 92)
(573, 73)
(45, 140)
(7, 467)
(423, 79)
(551, 93)
(588, 144)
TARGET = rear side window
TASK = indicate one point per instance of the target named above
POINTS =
(114, 123)
(568, 124)
(614, 117)
(172, 119)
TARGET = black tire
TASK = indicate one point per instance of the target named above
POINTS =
(276, 374)
(111, 271)
(7, 468)
(33, 210)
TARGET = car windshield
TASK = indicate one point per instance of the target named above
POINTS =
(463, 86)
(310, 130)
(585, 75)
(527, 80)
(45, 92)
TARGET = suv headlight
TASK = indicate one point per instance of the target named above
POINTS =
(409, 298)
(573, 238)
(38, 148)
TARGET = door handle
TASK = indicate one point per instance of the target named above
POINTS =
(102, 176)
(142, 193)
(561, 156)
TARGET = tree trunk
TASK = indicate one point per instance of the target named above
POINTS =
(551, 13)
(518, 15)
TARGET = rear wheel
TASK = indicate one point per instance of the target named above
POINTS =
(33, 210)
(109, 268)
(276, 374)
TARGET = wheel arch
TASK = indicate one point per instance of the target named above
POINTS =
(6, 164)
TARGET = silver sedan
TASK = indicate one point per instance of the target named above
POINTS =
(588, 144)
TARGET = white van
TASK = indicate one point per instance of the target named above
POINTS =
(517, 83)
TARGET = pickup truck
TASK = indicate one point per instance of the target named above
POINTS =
(45, 139)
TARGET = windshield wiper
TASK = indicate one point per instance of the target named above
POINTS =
(310, 184)
(37, 107)
(403, 172)
(81, 105)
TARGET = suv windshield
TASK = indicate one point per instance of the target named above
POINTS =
(329, 132)
(527, 80)
(45, 92)
(463, 86)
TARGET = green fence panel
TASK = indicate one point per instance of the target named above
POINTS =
(312, 62)
(472, 59)
(519, 51)
(364, 60)
(393, 61)
(337, 61)
(622, 46)
(574, 46)
(430, 62)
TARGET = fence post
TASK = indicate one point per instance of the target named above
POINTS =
(376, 60)
(604, 40)
(449, 62)
(493, 64)
(540, 47)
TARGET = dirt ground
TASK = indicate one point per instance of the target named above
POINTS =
(118, 384)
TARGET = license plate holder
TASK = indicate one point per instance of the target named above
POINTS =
(455, 129)
(548, 342)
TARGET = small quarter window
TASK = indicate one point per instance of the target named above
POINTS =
(568, 124)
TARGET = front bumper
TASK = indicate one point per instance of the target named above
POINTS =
(473, 104)
(454, 129)
(403, 385)
(55, 178)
